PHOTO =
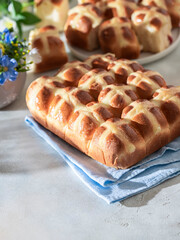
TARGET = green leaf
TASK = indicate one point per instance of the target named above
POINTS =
(19, 29)
(29, 18)
(3, 8)
(15, 8)
(4, 4)
(27, 4)
(18, 17)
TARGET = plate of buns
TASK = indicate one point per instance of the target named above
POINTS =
(143, 30)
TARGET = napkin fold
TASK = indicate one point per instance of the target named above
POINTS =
(108, 183)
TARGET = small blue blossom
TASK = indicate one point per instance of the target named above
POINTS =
(7, 66)
(6, 36)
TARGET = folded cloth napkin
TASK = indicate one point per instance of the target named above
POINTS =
(111, 184)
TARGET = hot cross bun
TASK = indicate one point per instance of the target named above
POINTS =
(82, 26)
(120, 8)
(168, 100)
(50, 47)
(117, 36)
(100, 60)
(153, 28)
(117, 97)
(52, 12)
(116, 143)
(95, 80)
(73, 71)
(172, 6)
(150, 122)
(146, 82)
(88, 1)
(84, 122)
(122, 68)
(101, 4)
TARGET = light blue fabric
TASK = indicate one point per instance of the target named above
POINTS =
(108, 183)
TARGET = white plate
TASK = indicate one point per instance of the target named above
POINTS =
(145, 57)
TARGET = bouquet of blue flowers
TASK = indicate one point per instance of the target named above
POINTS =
(12, 56)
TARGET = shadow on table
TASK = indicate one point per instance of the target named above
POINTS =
(143, 198)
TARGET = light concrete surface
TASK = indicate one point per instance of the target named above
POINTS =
(41, 198)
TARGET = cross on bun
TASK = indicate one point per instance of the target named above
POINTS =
(82, 26)
(116, 143)
(117, 97)
(117, 36)
(101, 4)
(120, 8)
(168, 100)
(150, 122)
(88, 1)
(73, 71)
(95, 80)
(55, 104)
(100, 60)
(106, 120)
(83, 124)
(50, 47)
(153, 28)
(122, 68)
(172, 6)
(146, 82)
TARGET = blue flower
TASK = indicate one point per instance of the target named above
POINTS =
(7, 66)
(7, 37)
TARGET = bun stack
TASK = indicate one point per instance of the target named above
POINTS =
(123, 27)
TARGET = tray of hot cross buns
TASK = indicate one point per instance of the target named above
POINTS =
(145, 30)
(114, 110)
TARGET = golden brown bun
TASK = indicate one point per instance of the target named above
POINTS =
(146, 82)
(172, 6)
(73, 71)
(116, 143)
(118, 97)
(100, 61)
(119, 8)
(52, 12)
(150, 122)
(168, 100)
(153, 28)
(95, 80)
(84, 122)
(122, 68)
(88, 1)
(82, 25)
(102, 118)
(50, 47)
(117, 36)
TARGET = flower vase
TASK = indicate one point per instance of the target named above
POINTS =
(10, 90)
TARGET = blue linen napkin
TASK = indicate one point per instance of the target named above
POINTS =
(108, 183)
